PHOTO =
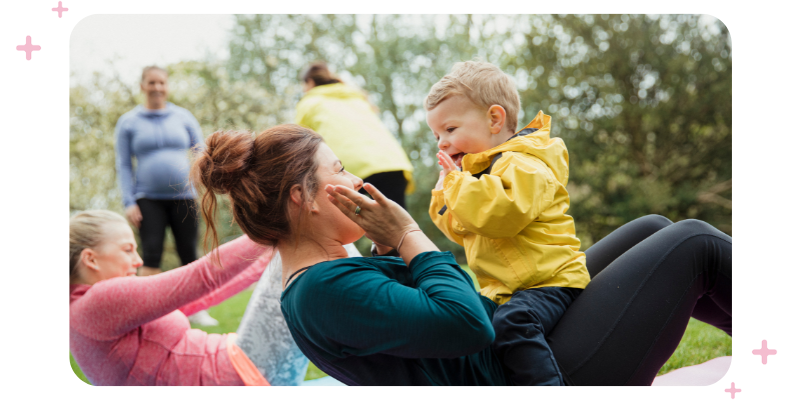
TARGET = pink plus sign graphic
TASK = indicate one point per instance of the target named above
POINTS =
(28, 48)
(733, 390)
(60, 9)
(764, 352)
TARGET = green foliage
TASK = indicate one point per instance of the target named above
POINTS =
(94, 110)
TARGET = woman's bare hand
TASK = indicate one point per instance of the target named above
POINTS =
(381, 249)
(383, 220)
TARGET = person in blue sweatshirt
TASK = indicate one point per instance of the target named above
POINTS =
(156, 193)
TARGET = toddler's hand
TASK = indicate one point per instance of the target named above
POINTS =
(447, 163)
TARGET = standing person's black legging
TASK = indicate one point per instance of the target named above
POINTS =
(392, 184)
(648, 277)
(181, 217)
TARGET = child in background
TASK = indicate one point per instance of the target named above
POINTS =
(507, 206)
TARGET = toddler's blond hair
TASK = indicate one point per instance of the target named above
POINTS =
(482, 83)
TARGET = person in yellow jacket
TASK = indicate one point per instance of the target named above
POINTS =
(507, 206)
(343, 116)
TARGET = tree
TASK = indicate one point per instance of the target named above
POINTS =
(644, 104)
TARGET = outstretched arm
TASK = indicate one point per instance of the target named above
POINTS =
(238, 283)
(113, 307)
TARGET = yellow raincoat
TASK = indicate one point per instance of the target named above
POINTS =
(512, 222)
(344, 118)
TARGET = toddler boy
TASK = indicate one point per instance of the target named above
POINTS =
(507, 206)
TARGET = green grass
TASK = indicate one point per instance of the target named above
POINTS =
(700, 343)
(77, 370)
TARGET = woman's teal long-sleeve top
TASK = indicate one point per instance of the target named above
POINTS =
(375, 321)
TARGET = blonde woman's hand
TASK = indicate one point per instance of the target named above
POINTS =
(383, 220)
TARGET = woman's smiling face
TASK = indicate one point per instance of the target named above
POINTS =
(116, 255)
(155, 88)
(330, 171)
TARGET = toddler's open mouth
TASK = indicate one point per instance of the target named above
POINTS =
(457, 158)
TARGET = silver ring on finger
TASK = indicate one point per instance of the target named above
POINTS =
(358, 210)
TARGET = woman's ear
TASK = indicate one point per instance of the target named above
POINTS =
(297, 200)
(296, 195)
(88, 259)
(497, 118)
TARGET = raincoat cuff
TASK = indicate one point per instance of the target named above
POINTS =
(451, 180)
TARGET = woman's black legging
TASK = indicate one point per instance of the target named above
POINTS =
(181, 217)
(392, 184)
(648, 277)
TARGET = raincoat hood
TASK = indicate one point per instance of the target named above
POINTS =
(539, 144)
(336, 90)
(352, 128)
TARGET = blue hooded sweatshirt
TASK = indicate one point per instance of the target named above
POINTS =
(160, 140)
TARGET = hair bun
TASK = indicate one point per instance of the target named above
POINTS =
(225, 160)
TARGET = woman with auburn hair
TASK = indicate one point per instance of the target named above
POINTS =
(415, 318)
(350, 125)
(129, 330)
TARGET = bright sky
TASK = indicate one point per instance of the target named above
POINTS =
(124, 44)
(135, 41)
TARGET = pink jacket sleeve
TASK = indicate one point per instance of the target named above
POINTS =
(113, 307)
(238, 283)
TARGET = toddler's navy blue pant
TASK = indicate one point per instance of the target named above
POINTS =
(520, 327)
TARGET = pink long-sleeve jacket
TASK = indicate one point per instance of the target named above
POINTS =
(134, 330)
